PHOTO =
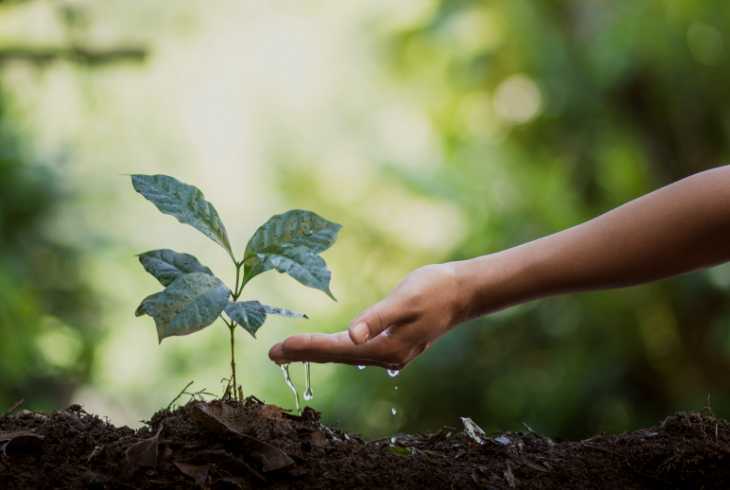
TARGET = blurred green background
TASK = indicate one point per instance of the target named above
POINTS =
(432, 130)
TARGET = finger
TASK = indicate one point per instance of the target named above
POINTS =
(314, 347)
(336, 347)
(276, 353)
(376, 319)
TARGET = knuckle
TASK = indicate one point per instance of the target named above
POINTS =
(416, 299)
(376, 321)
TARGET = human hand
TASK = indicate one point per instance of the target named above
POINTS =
(424, 306)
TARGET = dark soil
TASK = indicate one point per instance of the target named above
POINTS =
(254, 445)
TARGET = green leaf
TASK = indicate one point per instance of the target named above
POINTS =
(291, 243)
(167, 265)
(296, 227)
(248, 314)
(184, 202)
(275, 310)
(300, 263)
(192, 302)
(251, 315)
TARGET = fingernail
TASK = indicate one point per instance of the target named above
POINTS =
(361, 333)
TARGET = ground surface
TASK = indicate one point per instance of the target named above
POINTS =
(254, 445)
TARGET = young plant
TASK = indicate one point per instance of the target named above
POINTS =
(194, 297)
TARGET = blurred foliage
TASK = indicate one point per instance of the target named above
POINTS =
(546, 114)
(536, 115)
(46, 304)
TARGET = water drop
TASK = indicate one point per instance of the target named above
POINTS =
(290, 384)
(393, 440)
(308, 395)
(395, 387)
(361, 367)
(393, 411)
(393, 372)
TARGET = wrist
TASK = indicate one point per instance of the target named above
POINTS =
(495, 281)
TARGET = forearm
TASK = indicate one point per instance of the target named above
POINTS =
(678, 228)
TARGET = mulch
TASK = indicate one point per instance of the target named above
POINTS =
(231, 445)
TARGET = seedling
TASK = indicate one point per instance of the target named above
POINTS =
(194, 298)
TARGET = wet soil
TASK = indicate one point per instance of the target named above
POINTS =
(220, 445)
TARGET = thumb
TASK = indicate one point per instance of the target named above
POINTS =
(375, 320)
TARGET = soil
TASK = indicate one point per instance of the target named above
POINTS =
(225, 444)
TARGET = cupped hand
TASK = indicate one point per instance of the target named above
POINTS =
(391, 333)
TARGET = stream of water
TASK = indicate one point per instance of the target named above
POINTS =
(290, 384)
(308, 395)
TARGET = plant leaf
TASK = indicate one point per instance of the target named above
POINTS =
(145, 453)
(223, 419)
(300, 263)
(291, 243)
(275, 310)
(184, 202)
(296, 227)
(248, 314)
(192, 302)
(167, 265)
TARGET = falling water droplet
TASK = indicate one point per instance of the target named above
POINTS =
(393, 440)
(393, 372)
(361, 367)
(308, 395)
(393, 411)
(395, 387)
(290, 384)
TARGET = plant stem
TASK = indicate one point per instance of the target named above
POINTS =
(236, 291)
(182, 392)
(232, 330)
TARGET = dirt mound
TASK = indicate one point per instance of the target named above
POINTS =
(253, 445)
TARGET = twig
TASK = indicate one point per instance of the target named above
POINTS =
(94, 453)
(227, 392)
(13, 407)
(182, 392)
(199, 395)
(75, 54)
